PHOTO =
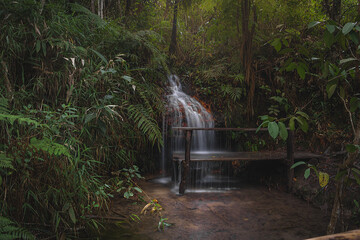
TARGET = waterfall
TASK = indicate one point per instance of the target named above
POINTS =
(185, 111)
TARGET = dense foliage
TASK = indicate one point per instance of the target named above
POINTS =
(82, 86)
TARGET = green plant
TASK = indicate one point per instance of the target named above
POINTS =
(162, 224)
(9, 230)
(125, 181)
(322, 176)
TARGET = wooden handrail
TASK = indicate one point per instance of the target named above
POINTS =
(219, 129)
(188, 136)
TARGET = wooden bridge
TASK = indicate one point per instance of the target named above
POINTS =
(289, 156)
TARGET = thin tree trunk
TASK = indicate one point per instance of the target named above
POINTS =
(246, 53)
(127, 7)
(173, 42)
(9, 93)
(101, 8)
(348, 162)
(167, 7)
(93, 6)
(42, 5)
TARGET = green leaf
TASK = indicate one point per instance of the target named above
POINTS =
(342, 92)
(292, 123)
(354, 37)
(262, 124)
(329, 39)
(307, 173)
(348, 27)
(100, 56)
(313, 24)
(304, 126)
(301, 71)
(297, 164)
(283, 131)
(343, 61)
(72, 214)
(38, 46)
(354, 104)
(273, 129)
(330, 28)
(276, 43)
(138, 189)
(330, 89)
(351, 148)
(291, 66)
(304, 115)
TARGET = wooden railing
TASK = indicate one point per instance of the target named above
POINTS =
(188, 135)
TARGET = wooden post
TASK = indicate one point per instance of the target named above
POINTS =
(186, 163)
(290, 159)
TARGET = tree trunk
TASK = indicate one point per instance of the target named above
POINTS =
(333, 10)
(101, 9)
(167, 7)
(348, 163)
(246, 53)
(93, 6)
(9, 89)
(173, 43)
(127, 7)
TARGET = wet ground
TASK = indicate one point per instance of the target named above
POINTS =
(250, 212)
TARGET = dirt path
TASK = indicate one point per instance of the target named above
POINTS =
(252, 212)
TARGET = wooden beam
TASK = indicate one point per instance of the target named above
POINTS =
(221, 129)
(290, 159)
(186, 163)
(352, 235)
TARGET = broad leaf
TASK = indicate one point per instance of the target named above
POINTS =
(348, 27)
(297, 164)
(273, 129)
(304, 126)
(307, 173)
(330, 28)
(323, 179)
(354, 104)
(301, 71)
(292, 123)
(304, 115)
(330, 89)
(313, 24)
(276, 44)
(283, 131)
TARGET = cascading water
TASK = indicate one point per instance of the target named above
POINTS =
(185, 111)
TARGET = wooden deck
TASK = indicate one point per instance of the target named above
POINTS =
(244, 156)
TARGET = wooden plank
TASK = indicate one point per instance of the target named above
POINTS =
(351, 235)
(245, 156)
(186, 163)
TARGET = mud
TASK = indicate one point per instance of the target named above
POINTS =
(250, 212)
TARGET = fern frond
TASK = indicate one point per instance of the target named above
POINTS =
(9, 118)
(50, 147)
(4, 106)
(5, 162)
(9, 231)
(235, 93)
(145, 123)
